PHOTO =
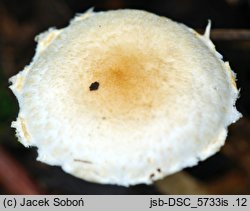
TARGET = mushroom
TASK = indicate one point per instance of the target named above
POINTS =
(124, 97)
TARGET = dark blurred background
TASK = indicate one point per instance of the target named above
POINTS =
(227, 172)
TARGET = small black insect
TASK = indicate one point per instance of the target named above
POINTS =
(94, 86)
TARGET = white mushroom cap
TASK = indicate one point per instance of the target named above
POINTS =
(124, 97)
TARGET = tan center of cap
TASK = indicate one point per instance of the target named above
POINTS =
(125, 83)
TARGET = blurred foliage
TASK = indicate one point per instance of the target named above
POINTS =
(8, 108)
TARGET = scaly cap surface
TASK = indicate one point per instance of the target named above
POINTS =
(124, 97)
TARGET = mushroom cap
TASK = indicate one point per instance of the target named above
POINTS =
(124, 97)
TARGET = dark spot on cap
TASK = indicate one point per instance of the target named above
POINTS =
(159, 170)
(83, 161)
(94, 86)
(152, 175)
